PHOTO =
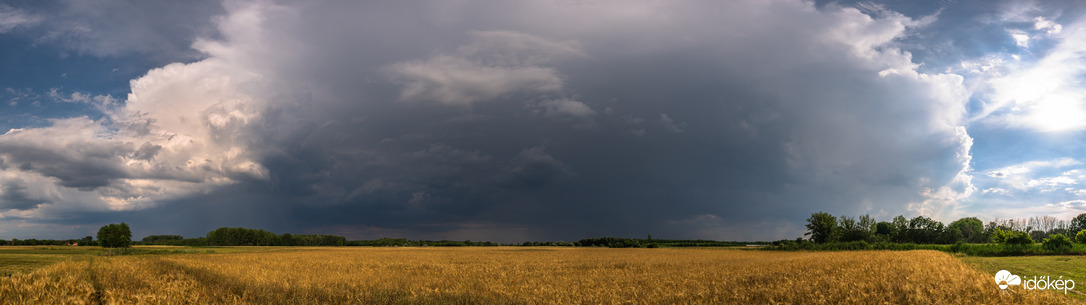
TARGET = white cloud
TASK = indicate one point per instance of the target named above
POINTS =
(1026, 176)
(1074, 205)
(1021, 38)
(181, 131)
(1045, 95)
(1024, 37)
(1018, 11)
(1029, 166)
(1050, 27)
(996, 190)
(11, 18)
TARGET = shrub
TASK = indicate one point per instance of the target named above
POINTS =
(1019, 238)
(1000, 235)
(1081, 237)
(1057, 243)
(114, 236)
(1017, 241)
(958, 247)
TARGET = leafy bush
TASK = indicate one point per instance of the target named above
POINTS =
(1018, 238)
(1000, 235)
(1057, 243)
(958, 247)
(1081, 237)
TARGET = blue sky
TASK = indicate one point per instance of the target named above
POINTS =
(535, 120)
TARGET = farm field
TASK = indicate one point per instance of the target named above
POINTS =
(1069, 267)
(509, 275)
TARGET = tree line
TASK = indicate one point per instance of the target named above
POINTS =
(825, 228)
(119, 236)
(248, 237)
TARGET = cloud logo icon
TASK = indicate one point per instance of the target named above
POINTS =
(1004, 278)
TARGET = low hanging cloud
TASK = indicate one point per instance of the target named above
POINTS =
(624, 118)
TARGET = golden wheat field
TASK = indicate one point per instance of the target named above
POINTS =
(514, 276)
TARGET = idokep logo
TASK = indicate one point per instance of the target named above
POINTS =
(1005, 279)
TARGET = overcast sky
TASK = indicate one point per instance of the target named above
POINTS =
(535, 120)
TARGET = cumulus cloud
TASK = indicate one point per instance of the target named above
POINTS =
(179, 131)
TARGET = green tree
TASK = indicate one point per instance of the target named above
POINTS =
(923, 230)
(1038, 234)
(1081, 237)
(115, 236)
(847, 229)
(1019, 238)
(972, 229)
(822, 227)
(286, 240)
(884, 231)
(1078, 223)
(951, 235)
(1057, 243)
(856, 230)
(868, 223)
(901, 229)
(999, 235)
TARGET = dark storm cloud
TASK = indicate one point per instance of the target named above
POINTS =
(539, 120)
(13, 195)
(741, 128)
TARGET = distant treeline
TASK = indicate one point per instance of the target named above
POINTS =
(966, 235)
(825, 228)
(246, 237)
(86, 241)
(610, 242)
(614, 242)
(256, 237)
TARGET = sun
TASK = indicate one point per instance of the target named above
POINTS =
(1057, 113)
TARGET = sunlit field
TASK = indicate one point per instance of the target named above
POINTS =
(512, 275)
